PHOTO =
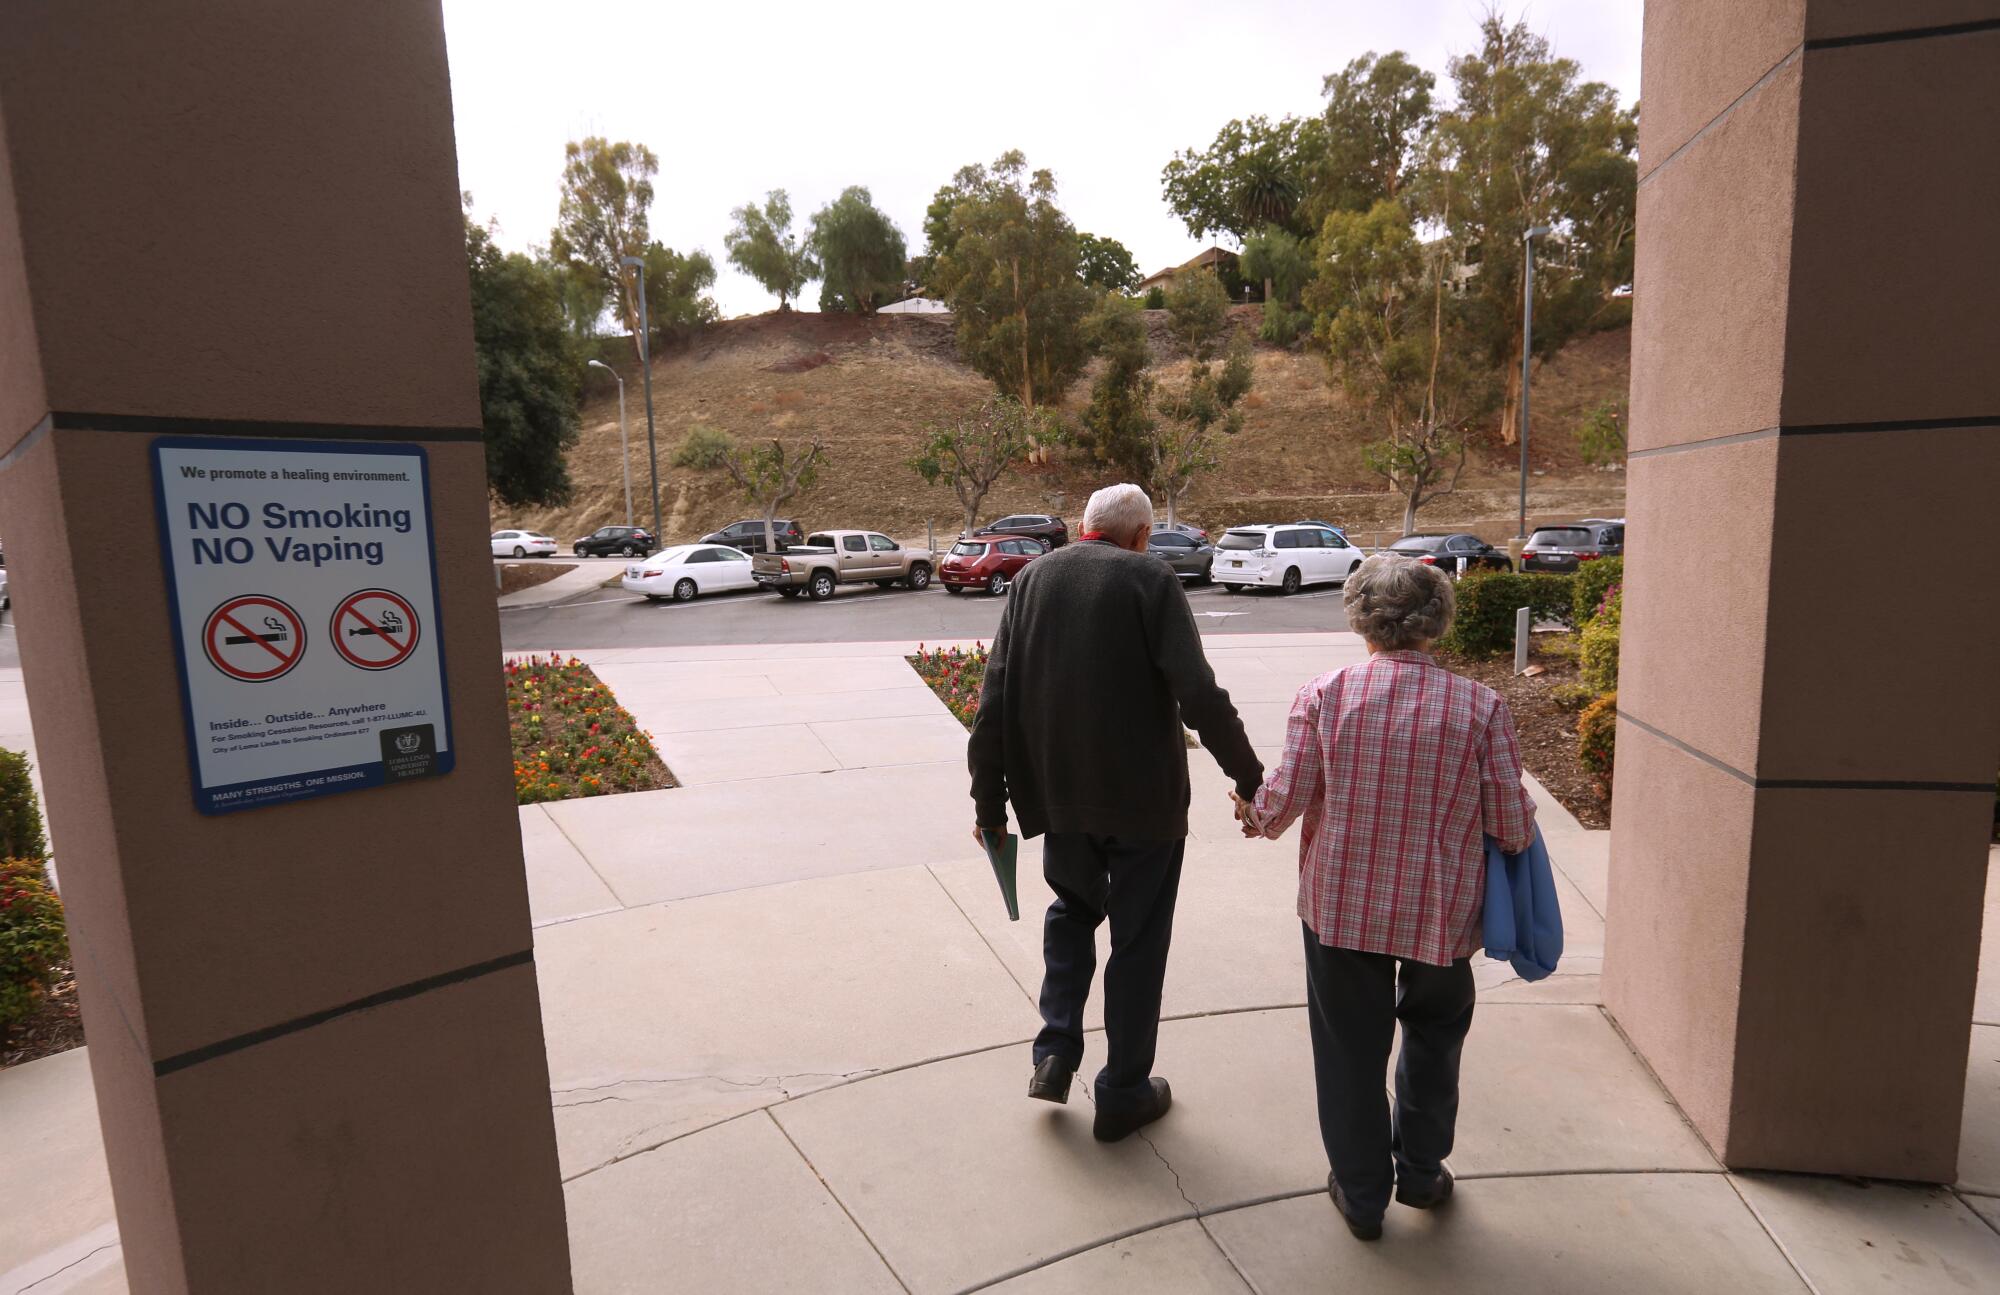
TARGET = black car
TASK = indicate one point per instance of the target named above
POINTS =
(1564, 548)
(749, 535)
(1191, 559)
(1445, 550)
(626, 541)
(1051, 531)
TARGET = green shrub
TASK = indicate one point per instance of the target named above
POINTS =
(703, 447)
(1598, 661)
(32, 940)
(1593, 581)
(1156, 298)
(1487, 600)
(20, 818)
(1283, 324)
(1571, 696)
(1596, 740)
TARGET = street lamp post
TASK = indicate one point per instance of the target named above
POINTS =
(1528, 238)
(638, 266)
(624, 441)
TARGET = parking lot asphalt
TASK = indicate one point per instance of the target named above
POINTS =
(610, 618)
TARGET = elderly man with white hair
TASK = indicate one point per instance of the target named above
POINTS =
(1094, 670)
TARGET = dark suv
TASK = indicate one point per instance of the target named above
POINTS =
(1567, 547)
(1052, 531)
(749, 535)
(627, 541)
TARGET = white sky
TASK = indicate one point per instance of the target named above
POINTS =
(739, 98)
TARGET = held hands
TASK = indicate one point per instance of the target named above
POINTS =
(1245, 819)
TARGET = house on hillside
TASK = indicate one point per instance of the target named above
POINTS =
(915, 306)
(1218, 261)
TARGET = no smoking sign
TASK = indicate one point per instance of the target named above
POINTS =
(254, 638)
(307, 629)
(375, 629)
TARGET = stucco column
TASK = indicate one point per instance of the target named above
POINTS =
(313, 1026)
(1809, 704)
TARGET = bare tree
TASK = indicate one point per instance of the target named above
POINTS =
(1424, 456)
(769, 475)
(974, 450)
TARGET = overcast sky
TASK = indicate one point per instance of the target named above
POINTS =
(739, 98)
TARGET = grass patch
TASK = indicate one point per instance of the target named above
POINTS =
(571, 737)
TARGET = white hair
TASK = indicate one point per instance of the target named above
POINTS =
(1118, 512)
(1398, 602)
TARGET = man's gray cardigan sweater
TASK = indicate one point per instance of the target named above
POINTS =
(1094, 669)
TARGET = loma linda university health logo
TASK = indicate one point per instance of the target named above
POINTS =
(409, 752)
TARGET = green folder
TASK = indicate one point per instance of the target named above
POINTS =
(1001, 849)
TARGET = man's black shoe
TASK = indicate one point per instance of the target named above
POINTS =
(1430, 1194)
(1051, 1081)
(1363, 1229)
(1113, 1125)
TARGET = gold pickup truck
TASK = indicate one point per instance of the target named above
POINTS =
(829, 559)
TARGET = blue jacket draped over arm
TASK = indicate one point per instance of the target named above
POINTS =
(1523, 922)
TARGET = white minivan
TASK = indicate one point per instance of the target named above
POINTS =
(1285, 558)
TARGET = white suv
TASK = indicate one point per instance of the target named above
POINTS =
(1285, 558)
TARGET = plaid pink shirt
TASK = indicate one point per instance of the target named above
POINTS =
(1400, 768)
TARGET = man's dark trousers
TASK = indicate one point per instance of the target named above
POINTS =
(1134, 884)
(1353, 1001)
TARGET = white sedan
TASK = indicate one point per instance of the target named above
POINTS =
(687, 571)
(522, 544)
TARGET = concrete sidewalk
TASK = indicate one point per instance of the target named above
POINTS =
(787, 1023)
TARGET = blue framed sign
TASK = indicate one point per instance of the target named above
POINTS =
(302, 577)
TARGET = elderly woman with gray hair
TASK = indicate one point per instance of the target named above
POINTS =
(1398, 769)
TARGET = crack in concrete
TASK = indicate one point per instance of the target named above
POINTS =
(1157, 1155)
(109, 1245)
(1554, 975)
(784, 1083)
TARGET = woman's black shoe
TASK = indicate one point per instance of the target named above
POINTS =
(1363, 1230)
(1435, 1192)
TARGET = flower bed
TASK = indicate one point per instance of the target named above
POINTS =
(571, 737)
(955, 675)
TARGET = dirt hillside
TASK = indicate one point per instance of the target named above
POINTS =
(867, 385)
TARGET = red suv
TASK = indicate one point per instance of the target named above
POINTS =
(987, 561)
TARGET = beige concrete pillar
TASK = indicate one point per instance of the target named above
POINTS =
(1809, 704)
(314, 1026)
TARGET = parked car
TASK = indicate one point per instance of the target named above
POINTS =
(522, 544)
(989, 562)
(1565, 548)
(1051, 531)
(1445, 550)
(686, 571)
(1193, 532)
(1191, 558)
(1282, 557)
(1341, 531)
(627, 541)
(831, 558)
(748, 535)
